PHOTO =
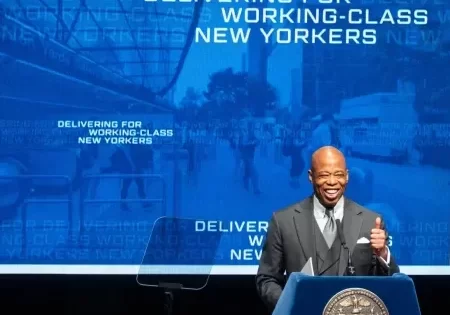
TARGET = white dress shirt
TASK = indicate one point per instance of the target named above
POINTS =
(320, 212)
(321, 219)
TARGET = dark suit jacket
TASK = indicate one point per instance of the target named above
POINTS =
(290, 242)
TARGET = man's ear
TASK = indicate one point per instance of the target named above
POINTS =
(310, 176)
(347, 176)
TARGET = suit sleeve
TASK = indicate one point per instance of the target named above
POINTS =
(270, 277)
(383, 269)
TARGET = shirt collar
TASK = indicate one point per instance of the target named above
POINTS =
(319, 209)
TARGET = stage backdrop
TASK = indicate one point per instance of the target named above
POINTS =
(114, 113)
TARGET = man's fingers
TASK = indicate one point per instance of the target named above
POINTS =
(378, 234)
(377, 244)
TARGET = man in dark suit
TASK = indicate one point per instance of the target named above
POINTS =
(308, 229)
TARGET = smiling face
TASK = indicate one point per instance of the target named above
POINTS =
(328, 175)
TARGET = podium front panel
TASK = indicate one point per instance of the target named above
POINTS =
(307, 295)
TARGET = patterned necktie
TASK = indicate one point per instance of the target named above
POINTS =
(329, 232)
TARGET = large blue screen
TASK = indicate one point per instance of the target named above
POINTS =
(116, 113)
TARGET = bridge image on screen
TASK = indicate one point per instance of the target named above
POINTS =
(85, 84)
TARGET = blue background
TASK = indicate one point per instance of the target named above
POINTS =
(384, 105)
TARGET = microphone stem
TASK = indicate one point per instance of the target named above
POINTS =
(350, 268)
(374, 264)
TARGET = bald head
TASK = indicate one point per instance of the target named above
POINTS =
(328, 174)
(325, 154)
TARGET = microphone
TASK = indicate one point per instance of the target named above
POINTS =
(374, 264)
(350, 270)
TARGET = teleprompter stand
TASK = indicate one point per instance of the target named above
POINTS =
(177, 258)
(169, 297)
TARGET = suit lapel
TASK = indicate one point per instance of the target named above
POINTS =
(351, 225)
(304, 225)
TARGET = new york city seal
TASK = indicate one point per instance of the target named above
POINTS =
(355, 301)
